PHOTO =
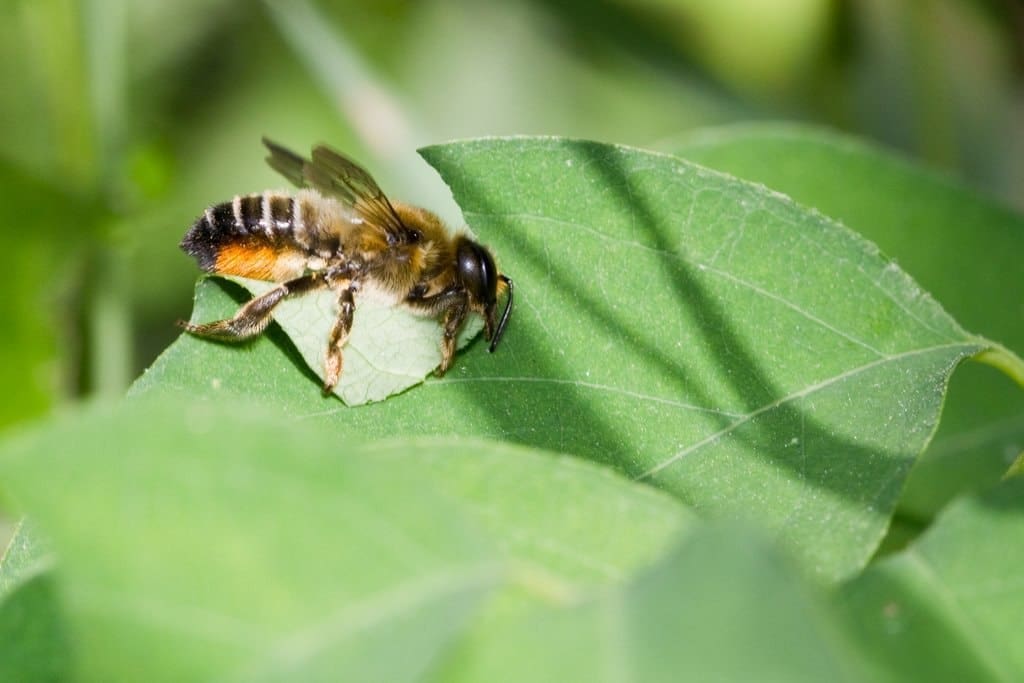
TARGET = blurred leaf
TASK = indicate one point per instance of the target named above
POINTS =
(722, 606)
(619, 78)
(725, 606)
(33, 645)
(161, 37)
(747, 355)
(53, 134)
(24, 558)
(203, 539)
(561, 517)
(964, 248)
(953, 108)
(389, 348)
(362, 98)
(199, 541)
(762, 48)
(948, 607)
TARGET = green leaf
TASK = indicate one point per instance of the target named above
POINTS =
(523, 498)
(203, 539)
(750, 356)
(723, 605)
(388, 350)
(198, 543)
(948, 607)
(962, 247)
(25, 557)
(33, 643)
(747, 355)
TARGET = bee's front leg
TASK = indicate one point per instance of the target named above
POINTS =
(453, 306)
(253, 317)
(339, 335)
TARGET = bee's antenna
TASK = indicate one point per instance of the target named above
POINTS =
(504, 316)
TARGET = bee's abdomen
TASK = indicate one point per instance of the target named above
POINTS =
(248, 236)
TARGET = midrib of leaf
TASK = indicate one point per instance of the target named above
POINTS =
(810, 389)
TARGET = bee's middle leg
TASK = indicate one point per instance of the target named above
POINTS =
(339, 335)
(454, 316)
(253, 317)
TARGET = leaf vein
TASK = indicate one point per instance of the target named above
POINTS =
(782, 300)
(806, 391)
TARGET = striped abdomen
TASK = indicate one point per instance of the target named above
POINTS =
(264, 236)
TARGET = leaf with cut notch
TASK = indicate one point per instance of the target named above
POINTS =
(388, 350)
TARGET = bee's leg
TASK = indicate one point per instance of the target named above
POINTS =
(454, 316)
(452, 307)
(253, 317)
(339, 335)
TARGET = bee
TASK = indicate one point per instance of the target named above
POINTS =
(340, 232)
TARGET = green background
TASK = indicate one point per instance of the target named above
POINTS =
(124, 120)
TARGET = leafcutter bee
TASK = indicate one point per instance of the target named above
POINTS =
(340, 232)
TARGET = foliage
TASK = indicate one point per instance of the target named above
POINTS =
(935, 229)
(725, 437)
(765, 367)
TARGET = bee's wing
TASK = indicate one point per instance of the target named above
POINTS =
(286, 162)
(334, 174)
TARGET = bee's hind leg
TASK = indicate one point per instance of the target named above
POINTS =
(253, 317)
(339, 335)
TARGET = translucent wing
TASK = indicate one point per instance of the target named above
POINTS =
(335, 175)
(286, 162)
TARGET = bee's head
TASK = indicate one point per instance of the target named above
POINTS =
(482, 281)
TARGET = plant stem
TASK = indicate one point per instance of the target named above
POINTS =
(108, 328)
(1005, 361)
